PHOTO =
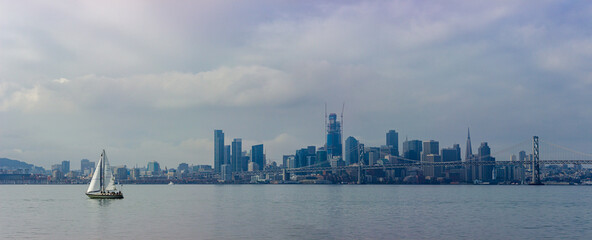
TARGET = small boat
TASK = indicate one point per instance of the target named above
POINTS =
(171, 183)
(102, 184)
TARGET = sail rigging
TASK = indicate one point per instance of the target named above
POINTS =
(102, 179)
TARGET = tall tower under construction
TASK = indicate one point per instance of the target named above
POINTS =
(334, 145)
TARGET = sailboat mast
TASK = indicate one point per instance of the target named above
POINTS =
(102, 172)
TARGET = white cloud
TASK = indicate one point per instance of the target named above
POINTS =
(225, 86)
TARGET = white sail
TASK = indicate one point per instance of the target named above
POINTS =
(109, 179)
(95, 182)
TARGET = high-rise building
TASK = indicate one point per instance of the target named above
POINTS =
(322, 160)
(65, 166)
(486, 172)
(153, 168)
(334, 145)
(227, 154)
(237, 155)
(183, 167)
(352, 154)
(372, 154)
(392, 140)
(285, 161)
(86, 166)
(469, 151)
(257, 156)
(431, 147)
(471, 171)
(458, 153)
(412, 149)
(450, 154)
(226, 173)
(121, 173)
(218, 150)
(431, 170)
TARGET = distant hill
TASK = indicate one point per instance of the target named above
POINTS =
(10, 164)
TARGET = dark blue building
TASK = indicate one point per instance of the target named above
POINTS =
(257, 156)
(334, 145)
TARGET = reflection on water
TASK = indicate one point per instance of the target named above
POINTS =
(101, 202)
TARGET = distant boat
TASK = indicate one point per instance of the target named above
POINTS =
(171, 183)
(102, 185)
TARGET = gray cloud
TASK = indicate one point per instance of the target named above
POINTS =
(151, 80)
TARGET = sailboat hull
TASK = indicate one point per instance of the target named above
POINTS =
(105, 195)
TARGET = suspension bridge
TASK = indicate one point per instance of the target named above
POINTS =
(540, 154)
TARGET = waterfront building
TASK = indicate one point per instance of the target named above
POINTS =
(352, 154)
(218, 150)
(334, 145)
(226, 173)
(237, 155)
(392, 140)
(257, 156)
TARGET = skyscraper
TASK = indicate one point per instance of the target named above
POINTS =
(65, 166)
(86, 165)
(431, 147)
(257, 156)
(471, 171)
(227, 155)
(450, 154)
(469, 151)
(486, 172)
(392, 140)
(334, 145)
(237, 155)
(431, 153)
(458, 153)
(412, 149)
(153, 168)
(352, 154)
(218, 150)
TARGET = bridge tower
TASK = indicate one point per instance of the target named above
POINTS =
(536, 172)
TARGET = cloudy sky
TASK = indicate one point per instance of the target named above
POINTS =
(151, 80)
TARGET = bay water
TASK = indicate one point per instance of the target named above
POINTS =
(298, 212)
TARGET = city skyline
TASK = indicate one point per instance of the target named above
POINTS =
(150, 80)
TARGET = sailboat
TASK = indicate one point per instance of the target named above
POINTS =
(102, 185)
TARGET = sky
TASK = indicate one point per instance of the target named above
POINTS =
(151, 80)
